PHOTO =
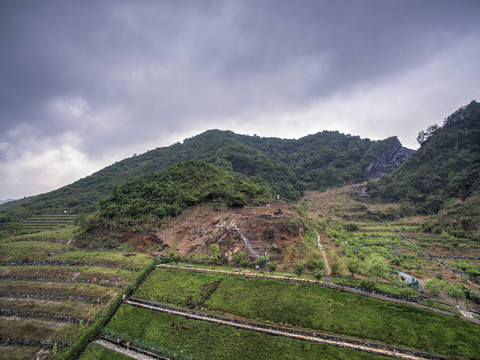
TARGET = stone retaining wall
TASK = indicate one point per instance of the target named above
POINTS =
(386, 294)
(90, 299)
(33, 314)
(46, 344)
(72, 281)
(48, 240)
(64, 263)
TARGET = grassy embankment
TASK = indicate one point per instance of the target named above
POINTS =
(313, 307)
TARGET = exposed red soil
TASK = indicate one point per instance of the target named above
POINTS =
(271, 228)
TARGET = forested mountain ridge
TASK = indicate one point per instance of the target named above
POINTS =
(445, 168)
(283, 166)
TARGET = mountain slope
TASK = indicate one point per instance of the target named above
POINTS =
(446, 167)
(285, 167)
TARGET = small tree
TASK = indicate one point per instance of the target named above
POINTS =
(261, 261)
(318, 276)
(176, 258)
(456, 291)
(406, 292)
(353, 266)
(238, 258)
(434, 286)
(335, 268)
(272, 267)
(245, 264)
(214, 252)
(317, 265)
(299, 269)
(368, 284)
(173, 257)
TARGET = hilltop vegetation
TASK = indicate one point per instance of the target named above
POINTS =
(166, 192)
(446, 167)
(282, 166)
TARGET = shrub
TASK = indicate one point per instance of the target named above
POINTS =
(368, 284)
(299, 269)
(261, 261)
(272, 267)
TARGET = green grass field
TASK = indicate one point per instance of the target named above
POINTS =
(209, 341)
(314, 307)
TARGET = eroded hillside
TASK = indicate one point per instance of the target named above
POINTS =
(274, 229)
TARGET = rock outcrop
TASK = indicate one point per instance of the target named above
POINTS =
(387, 161)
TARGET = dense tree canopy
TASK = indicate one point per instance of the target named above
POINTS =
(166, 192)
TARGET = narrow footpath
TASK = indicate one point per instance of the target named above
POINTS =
(121, 350)
(320, 247)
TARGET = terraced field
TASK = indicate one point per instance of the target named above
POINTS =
(277, 303)
(51, 292)
(38, 223)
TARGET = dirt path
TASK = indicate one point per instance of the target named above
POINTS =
(130, 353)
(320, 247)
(364, 346)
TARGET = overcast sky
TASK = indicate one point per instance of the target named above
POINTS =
(86, 83)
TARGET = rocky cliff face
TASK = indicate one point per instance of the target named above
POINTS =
(387, 162)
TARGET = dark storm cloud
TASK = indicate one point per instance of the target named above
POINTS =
(101, 78)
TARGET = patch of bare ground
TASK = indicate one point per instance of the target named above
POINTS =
(269, 228)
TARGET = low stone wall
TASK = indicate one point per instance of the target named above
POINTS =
(72, 281)
(64, 263)
(89, 299)
(46, 344)
(457, 257)
(135, 349)
(59, 252)
(386, 294)
(34, 314)
(47, 240)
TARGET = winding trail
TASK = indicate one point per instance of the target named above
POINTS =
(320, 247)
(359, 345)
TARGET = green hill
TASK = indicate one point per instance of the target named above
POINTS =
(283, 166)
(166, 192)
(446, 167)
